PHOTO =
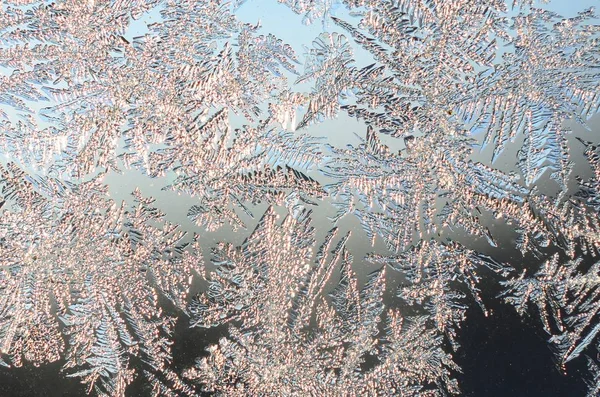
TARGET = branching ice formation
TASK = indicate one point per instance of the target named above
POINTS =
(464, 110)
(292, 341)
(100, 267)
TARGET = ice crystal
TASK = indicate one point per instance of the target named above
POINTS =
(564, 288)
(566, 300)
(594, 384)
(148, 99)
(435, 272)
(466, 113)
(437, 103)
(258, 166)
(72, 253)
(433, 185)
(285, 338)
(313, 10)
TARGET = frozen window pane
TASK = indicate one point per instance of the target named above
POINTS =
(294, 197)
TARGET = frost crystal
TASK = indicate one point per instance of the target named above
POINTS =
(475, 133)
(73, 253)
(286, 339)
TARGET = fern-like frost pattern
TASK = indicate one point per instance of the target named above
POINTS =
(327, 263)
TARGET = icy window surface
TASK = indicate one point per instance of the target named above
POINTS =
(298, 197)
